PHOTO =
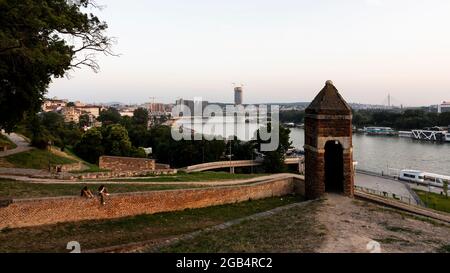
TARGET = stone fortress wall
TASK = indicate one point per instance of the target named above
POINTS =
(42, 211)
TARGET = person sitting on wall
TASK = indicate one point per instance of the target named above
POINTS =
(85, 192)
(102, 192)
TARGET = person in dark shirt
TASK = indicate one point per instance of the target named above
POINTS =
(85, 192)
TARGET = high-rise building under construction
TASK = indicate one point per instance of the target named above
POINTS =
(238, 95)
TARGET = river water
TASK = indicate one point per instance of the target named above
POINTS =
(373, 153)
(380, 153)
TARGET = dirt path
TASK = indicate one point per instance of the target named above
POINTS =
(357, 226)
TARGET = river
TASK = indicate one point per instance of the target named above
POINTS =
(373, 153)
(380, 153)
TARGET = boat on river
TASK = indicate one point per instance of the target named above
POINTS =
(380, 131)
(431, 134)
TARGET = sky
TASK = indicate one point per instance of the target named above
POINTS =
(280, 50)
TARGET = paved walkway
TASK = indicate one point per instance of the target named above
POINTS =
(22, 145)
(191, 183)
(383, 185)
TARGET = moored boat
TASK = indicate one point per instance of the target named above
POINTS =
(430, 134)
(406, 134)
(380, 131)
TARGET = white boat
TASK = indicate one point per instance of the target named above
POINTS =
(428, 179)
(380, 131)
(430, 134)
(407, 134)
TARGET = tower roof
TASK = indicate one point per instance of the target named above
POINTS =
(329, 102)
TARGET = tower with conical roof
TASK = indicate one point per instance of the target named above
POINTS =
(328, 145)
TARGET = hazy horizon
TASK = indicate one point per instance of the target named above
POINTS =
(282, 51)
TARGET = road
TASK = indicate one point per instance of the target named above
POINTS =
(22, 145)
(380, 184)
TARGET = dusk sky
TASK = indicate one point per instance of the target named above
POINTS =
(281, 50)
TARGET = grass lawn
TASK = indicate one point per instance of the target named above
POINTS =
(37, 159)
(434, 201)
(104, 233)
(17, 189)
(293, 230)
(5, 141)
(192, 177)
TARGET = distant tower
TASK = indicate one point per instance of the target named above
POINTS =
(328, 145)
(238, 95)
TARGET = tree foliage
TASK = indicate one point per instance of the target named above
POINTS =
(109, 116)
(274, 160)
(140, 117)
(402, 120)
(40, 40)
(90, 147)
(116, 140)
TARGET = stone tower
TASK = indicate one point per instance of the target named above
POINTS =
(328, 145)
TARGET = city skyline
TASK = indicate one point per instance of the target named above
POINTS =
(282, 51)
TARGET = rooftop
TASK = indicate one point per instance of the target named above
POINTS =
(329, 101)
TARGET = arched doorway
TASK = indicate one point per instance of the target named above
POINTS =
(334, 167)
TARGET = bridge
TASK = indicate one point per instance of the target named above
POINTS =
(239, 163)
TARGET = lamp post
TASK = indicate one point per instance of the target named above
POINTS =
(231, 141)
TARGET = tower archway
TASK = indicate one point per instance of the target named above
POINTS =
(334, 167)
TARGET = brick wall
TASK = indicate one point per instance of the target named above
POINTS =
(32, 212)
(57, 168)
(115, 163)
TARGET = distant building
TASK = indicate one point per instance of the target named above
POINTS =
(71, 114)
(238, 95)
(127, 113)
(93, 110)
(444, 107)
(156, 108)
(53, 105)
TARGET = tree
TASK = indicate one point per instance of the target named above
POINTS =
(139, 136)
(84, 121)
(40, 137)
(295, 116)
(116, 140)
(90, 147)
(52, 121)
(109, 116)
(140, 117)
(40, 40)
(274, 160)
